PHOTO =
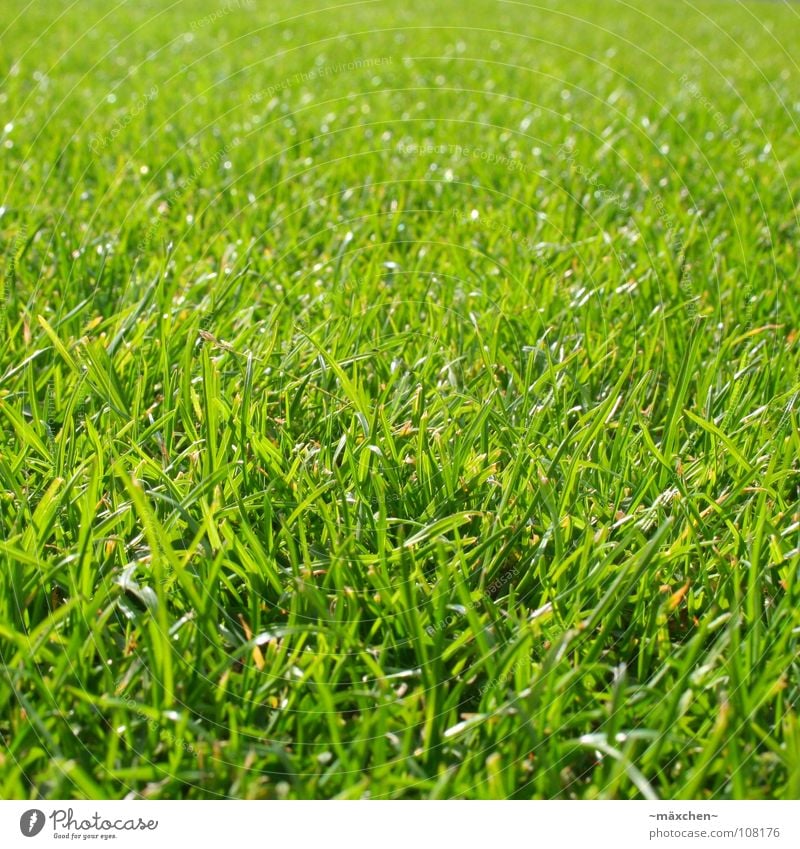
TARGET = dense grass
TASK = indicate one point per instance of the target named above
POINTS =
(422, 426)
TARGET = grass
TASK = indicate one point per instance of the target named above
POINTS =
(399, 400)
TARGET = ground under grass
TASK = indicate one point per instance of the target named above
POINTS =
(399, 400)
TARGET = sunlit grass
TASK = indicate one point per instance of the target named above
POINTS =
(399, 401)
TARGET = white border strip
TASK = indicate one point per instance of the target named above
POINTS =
(401, 825)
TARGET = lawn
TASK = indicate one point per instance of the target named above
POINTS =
(399, 400)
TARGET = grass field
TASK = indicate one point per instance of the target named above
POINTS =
(399, 400)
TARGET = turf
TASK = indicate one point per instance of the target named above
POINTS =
(399, 400)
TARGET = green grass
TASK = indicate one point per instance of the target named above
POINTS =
(422, 426)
